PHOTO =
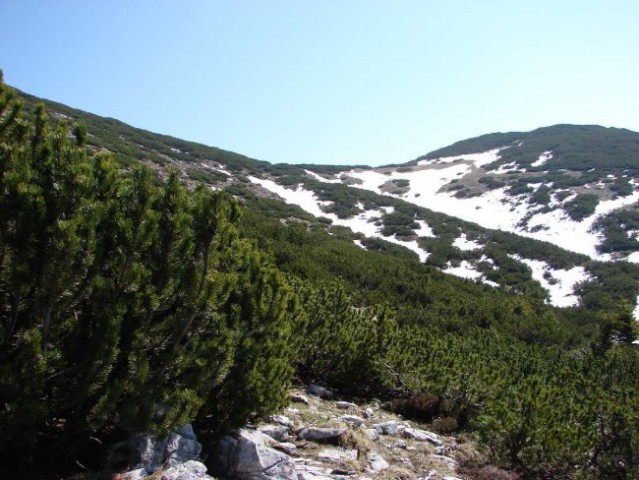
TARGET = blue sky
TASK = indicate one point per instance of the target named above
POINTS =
(338, 82)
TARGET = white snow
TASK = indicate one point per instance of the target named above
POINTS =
(363, 223)
(506, 168)
(562, 292)
(495, 208)
(543, 158)
(465, 244)
(635, 313)
(217, 169)
(479, 159)
(633, 257)
(464, 270)
(322, 179)
(424, 229)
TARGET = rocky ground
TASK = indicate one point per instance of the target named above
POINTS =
(317, 437)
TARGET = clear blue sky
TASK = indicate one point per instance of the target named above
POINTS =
(330, 81)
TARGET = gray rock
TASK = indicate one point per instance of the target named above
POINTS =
(190, 470)
(422, 436)
(286, 447)
(337, 455)
(283, 420)
(386, 428)
(354, 419)
(244, 455)
(318, 433)
(319, 391)
(276, 432)
(372, 434)
(345, 405)
(149, 452)
(376, 462)
(299, 398)
(368, 413)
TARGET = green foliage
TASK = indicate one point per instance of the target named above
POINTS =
(582, 206)
(124, 305)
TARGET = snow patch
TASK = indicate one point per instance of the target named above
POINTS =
(479, 159)
(559, 283)
(465, 244)
(543, 158)
(322, 179)
(363, 223)
(464, 270)
(424, 229)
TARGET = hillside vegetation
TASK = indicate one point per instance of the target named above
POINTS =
(130, 302)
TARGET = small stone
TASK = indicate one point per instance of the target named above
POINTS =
(345, 405)
(376, 462)
(400, 444)
(354, 419)
(283, 420)
(299, 398)
(372, 434)
(286, 447)
(368, 413)
(276, 432)
(337, 455)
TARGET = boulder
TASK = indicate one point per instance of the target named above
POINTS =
(386, 428)
(345, 405)
(148, 452)
(319, 391)
(320, 434)
(244, 455)
(368, 413)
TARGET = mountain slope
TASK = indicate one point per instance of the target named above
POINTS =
(455, 209)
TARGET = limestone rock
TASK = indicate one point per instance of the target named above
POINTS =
(276, 432)
(337, 455)
(146, 451)
(354, 419)
(320, 434)
(345, 405)
(368, 413)
(244, 455)
(422, 436)
(283, 420)
(372, 434)
(376, 462)
(386, 428)
(286, 447)
(190, 470)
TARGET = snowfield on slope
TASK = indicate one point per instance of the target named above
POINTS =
(560, 284)
(493, 209)
(363, 223)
